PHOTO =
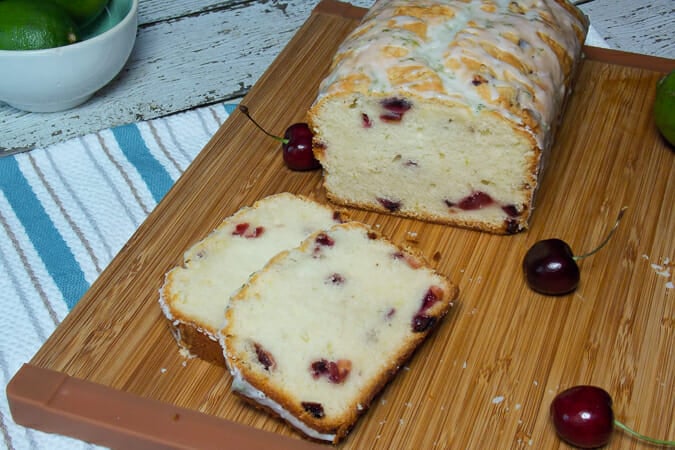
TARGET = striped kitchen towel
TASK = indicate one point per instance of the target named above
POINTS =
(65, 212)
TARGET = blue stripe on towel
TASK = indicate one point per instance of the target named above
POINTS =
(53, 250)
(229, 107)
(153, 173)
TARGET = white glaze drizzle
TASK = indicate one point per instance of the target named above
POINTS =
(463, 36)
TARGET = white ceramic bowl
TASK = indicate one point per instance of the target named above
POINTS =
(56, 79)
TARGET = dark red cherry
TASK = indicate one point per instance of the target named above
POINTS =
(297, 148)
(583, 416)
(296, 144)
(550, 267)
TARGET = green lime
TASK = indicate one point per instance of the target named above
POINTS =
(83, 11)
(31, 25)
(664, 107)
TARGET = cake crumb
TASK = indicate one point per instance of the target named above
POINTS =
(662, 271)
(518, 406)
(185, 353)
(464, 365)
(163, 370)
(498, 399)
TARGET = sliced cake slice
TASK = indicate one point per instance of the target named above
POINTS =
(194, 295)
(317, 333)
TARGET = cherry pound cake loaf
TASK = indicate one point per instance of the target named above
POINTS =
(317, 333)
(194, 295)
(445, 110)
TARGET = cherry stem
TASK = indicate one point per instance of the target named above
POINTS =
(642, 436)
(607, 238)
(244, 109)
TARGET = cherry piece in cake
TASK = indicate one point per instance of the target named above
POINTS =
(394, 108)
(390, 205)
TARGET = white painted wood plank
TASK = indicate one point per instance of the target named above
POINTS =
(150, 11)
(640, 26)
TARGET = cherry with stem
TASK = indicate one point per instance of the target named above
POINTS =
(583, 416)
(551, 268)
(296, 144)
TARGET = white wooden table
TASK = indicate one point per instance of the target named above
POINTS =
(191, 53)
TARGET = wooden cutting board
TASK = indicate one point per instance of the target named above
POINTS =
(111, 372)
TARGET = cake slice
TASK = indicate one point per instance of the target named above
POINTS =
(194, 295)
(317, 333)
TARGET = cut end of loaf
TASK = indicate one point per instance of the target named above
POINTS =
(423, 159)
